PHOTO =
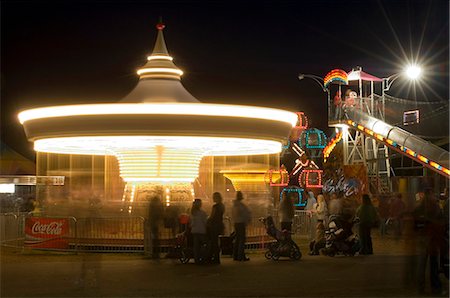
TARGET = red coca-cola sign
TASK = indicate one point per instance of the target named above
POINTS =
(43, 232)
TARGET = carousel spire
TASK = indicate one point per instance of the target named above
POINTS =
(160, 65)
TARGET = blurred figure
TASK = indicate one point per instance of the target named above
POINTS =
(155, 215)
(427, 221)
(241, 218)
(215, 227)
(334, 205)
(397, 209)
(171, 219)
(287, 212)
(198, 229)
(368, 218)
(444, 252)
(383, 212)
(319, 241)
(312, 215)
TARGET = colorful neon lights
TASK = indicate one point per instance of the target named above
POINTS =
(281, 175)
(302, 122)
(317, 142)
(300, 202)
(404, 149)
(422, 158)
(331, 145)
(336, 75)
(311, 178)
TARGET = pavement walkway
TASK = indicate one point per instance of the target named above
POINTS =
(37, 274)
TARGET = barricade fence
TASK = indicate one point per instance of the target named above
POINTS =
(113, 234)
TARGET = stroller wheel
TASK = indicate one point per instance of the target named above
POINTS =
(296, 254)
(184, 258)
(268, 254)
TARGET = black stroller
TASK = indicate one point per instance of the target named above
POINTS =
(340, 238)
(284, 245)
(184, 246)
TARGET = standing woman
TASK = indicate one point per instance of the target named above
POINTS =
(215, 227)
(367, 219)
(321, 209)
(287, 212)
(198, 229)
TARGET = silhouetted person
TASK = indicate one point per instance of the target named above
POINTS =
(198, 230)
(444, 252)
(155, 215)
(287, 212)
(428, 222)
(367, 219)
(320, 241)
(215, 227)
(383, 212)
(397, 209)
(241, 217)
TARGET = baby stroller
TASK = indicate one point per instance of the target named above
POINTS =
(184, 246)
(340, 238)
(284, 245)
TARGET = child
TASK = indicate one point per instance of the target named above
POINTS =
(319, 242)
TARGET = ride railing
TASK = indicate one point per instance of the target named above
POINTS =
(111, 234)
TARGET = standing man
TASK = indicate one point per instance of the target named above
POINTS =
(241, 217)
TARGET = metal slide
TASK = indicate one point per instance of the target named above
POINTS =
(421, 151)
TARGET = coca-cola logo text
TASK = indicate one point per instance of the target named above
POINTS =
(53, 228)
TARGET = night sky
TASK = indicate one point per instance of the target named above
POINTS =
(55, 53)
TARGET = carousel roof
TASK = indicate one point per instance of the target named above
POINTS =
(159, 115)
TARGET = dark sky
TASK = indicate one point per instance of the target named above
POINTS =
(55, 53)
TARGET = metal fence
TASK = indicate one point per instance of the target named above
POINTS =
(122, 234)
(12, 229)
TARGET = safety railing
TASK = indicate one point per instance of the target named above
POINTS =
(11, 229)
(302, 223)
(111, 234)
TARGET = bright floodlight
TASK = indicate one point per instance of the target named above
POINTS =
(413, 71)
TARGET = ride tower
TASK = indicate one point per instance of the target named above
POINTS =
(359, 146)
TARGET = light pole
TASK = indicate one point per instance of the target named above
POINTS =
(412, 72)
(318, 80)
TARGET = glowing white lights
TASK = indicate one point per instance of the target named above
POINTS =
(159, 164)
(7, 188)
(160, 109)
(110, 145)
(157, 159)
(413, 72)
(159, 70)
(159, 57)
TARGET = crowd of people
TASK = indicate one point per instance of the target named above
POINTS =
(425, 221)
(205, 230)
